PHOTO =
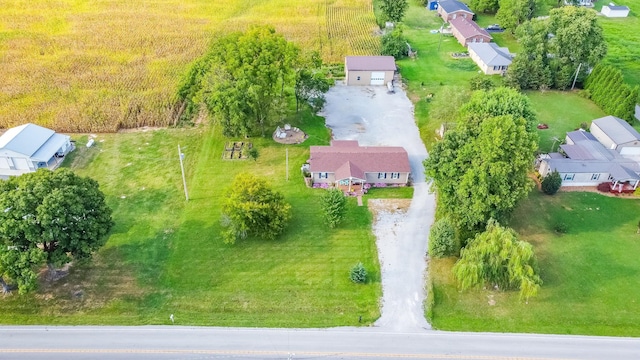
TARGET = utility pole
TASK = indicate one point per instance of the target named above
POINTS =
(576, 77)
(287, 162)
(184, 180)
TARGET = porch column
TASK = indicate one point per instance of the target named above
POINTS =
(614, 185)
(350, 182)
(636, 184)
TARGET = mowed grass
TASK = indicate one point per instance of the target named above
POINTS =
(165, 255)
(589, 273)
(79, 67)
(562, 111)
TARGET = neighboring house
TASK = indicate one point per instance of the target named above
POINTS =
(583, 161)
(615, 11)
(453, 9)
(467, 31)
(491, 58)
(29, 147)
(616, 134)
(369, 70)
(347, 164)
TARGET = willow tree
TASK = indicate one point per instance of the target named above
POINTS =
(498, 259)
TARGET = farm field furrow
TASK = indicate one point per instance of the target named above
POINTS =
(76, 66)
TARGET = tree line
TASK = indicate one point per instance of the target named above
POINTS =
(480, 169)
(606, 87)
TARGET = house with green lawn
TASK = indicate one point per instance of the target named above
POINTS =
(608, 154)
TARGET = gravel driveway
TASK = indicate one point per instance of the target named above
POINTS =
(374, 117)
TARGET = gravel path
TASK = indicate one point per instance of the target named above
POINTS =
(374, 117)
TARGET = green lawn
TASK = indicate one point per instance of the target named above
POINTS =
(623, 36)
(166, 256)
(563, 111)
(590, 273)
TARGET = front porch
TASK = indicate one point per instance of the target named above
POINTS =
(352, 186)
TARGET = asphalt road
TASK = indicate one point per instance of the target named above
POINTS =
(176, 342)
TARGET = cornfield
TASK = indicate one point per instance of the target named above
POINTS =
(75, 66)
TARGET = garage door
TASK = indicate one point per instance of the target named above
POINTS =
(21, 163)
(377, 78)
(4, 164)
(628, 150)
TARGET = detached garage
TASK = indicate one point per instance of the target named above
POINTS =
(369, 70)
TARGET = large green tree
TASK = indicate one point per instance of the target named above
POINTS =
(555, 49)
(480, 167)
(485, 6)
(394, 43)
(252, 209)
(245, 77)
(512, 13)
(48, 217)
(394, 10)
(576, 40)
(497, 258)
(310, 83)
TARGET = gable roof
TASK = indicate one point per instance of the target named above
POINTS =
(491, 54)
(33, 141)
(348, 159)
(468, 28)
(617, 129)
(580, 135)
(370, 63)
(451, 6)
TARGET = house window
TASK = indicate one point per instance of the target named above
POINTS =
(382, 175)
(595, 176)
(358, 78)
(323, 175)
(569, 176)
(395, 175)
(496, 68)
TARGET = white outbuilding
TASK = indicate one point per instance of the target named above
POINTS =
(612, 10)
(29, 147)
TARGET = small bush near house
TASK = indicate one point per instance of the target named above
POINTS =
(560, 228)
(358, 274)
(481, 82)
(442, 239)
(551, 183)
(333, 207)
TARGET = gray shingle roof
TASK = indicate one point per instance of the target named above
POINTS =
(370, 63)
(617, 129)
(451, 6)
(491, 54)
(580, 135)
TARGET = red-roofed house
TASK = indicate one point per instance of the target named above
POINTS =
(467, 31)
(346, 163)
(369, 70)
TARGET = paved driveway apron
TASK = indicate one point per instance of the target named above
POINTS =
(374, 117)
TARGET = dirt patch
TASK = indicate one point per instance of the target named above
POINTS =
(382, 206)
(292, 135)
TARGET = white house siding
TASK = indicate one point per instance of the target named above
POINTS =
(357, 77)
(583, 179)
(330, 179)
(608, 12)
(373, 178)
(602, 137)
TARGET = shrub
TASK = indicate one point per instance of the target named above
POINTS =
(358, 274)
(442, 239)
(394, 44)
(333, 207)
(551, 183)
(560, 227)
(481, 82)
